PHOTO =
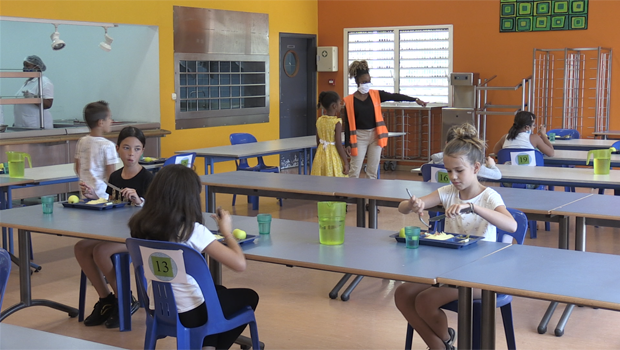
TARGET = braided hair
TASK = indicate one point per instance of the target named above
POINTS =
(522, 119)
(358, 68)
(467, 143)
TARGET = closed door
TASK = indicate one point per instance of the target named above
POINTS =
(297, 90)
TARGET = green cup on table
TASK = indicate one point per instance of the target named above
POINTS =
(264, 223)
(551, 136)
(412, 237)
(48, 204)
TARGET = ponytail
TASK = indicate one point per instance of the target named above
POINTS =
(522, 119)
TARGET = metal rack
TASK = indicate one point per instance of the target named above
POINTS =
(24, 100)
(572, 88)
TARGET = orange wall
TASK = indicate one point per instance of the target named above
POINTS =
(478, 45)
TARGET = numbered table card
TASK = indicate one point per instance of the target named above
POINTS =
(439, 175)
(527, 158)
(163, 265)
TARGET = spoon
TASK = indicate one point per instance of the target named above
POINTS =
(419, 216)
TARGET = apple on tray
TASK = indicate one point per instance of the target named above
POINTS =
(239, 234)
(73, 199)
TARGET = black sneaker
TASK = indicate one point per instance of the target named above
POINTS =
(450, 342)
(101, 312)
(113, 321)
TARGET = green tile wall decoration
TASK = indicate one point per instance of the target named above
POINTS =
(543, 15)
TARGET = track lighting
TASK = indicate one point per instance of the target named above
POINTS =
(107, 44)
(57, 43)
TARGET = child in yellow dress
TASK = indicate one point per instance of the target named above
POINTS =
(330, 158)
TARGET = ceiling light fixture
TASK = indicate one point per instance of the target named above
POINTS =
(106, 45)
(57, 43)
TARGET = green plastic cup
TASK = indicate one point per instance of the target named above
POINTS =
(551, 136)
(48, 204)
(264, 223)
(412, 237)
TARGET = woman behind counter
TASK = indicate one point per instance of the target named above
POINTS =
(28, 116)
(365, 130)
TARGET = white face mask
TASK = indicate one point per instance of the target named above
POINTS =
(364, 88)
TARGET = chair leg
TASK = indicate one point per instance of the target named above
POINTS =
(508, 326)
(532, 225)
(82, 299)
(409, 337)
(476, 327)
(254, 201)
(234, 199)
(547, 226)
(121, 268)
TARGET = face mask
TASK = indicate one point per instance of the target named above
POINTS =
(364, 88)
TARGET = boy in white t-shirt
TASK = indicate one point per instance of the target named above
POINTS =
(95, 156)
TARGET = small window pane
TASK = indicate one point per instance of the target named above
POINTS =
(235, 91)
(191, 92)
(192, 105)
(214, 105)
(253, 66)
(203, 79)
(235, 79)
(225, 103)
(183, 79)
(215, 79)
(254, 102)
(236, 104)
(254, 90)
(224, 66)
(182, 65)
(183, 92)
(191, 79)
(191, 66)
(235, 66)
(253, 79)
(203, 92)
(214, 67)
(214, 92)
(225, 91)
(224, 79)
(183, 106)
(203, 66)
(203, 105)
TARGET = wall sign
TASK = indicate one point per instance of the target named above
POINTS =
(534, 16)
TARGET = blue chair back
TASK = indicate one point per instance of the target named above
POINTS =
(519, 234)
(616, 145)
(163, 320)
(5, 270)
(440, 176)
(505, 155)
(185, 158)
(569, 133)
(241, 138)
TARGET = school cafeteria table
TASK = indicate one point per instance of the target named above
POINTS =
(612, 134)
(573, 177)
(301, 144)
(581, 144)
(562, 157)
(19, 338)
(541, 273)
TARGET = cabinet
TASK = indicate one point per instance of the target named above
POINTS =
(24, 100)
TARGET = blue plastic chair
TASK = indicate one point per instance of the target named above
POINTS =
(427, 172)
(242, 164)
(503, 156)
(5, 270)
(181, 158)
(163, 321)
(503, 300)
(565, 133)
(121, 263)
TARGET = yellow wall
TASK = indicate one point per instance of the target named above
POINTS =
(298, 16)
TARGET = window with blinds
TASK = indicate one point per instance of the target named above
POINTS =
(415, 61)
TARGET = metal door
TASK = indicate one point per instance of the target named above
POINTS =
(297, 90)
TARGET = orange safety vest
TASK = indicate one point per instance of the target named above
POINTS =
(381, 129)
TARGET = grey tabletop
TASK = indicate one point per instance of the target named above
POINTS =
(595, 206)
(581, 144)
(411, 105)
(559, 176)
(573, 277)
(368, 252)
(576, 158)
(6, 181)
(20, 338)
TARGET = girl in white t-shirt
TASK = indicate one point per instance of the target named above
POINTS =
(463, 156)
(172, 213)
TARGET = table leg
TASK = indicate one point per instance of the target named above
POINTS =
(25, 291)
(210, 194)
(361, 212)
(487, 337)
(372, 213)
(564, 234)
(580, 234)
(465, 316)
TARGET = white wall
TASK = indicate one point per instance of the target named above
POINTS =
(126, 77)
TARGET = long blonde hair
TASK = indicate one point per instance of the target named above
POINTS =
(466, 142)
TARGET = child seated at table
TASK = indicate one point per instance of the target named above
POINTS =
(520, 135)
(471, 208)
(488, 171)
(94, 256)
(176, 217)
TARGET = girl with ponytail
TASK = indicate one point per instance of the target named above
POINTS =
(520, 135)
(471, 208)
